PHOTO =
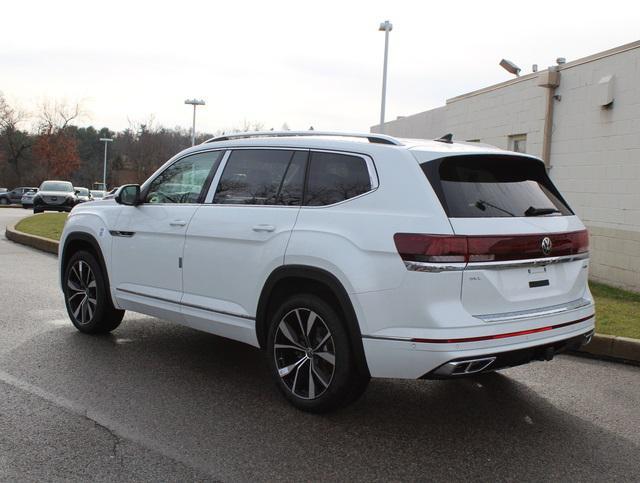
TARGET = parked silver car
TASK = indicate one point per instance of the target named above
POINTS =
(27, 198)
(83, 194)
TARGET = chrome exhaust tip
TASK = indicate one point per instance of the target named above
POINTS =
(461, 368)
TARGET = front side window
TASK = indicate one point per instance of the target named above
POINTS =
(262, 177)
(184, 180)
(335, 177)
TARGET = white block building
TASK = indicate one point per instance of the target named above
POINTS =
(583, 118)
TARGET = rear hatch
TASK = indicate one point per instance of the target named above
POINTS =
(525, 248)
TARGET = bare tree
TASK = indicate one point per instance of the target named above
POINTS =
(56, 147)
(57, 115)
(15, 142)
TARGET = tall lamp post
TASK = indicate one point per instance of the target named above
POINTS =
(106, 141)
(194, 103)
(385, 27)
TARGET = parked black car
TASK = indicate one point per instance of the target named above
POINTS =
(14, 197)
(55, 196)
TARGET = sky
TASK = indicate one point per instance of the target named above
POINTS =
(274, 62)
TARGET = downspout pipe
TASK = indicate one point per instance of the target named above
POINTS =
(549, 79)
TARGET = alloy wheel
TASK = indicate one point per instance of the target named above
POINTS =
(82, 295)
(304, 353)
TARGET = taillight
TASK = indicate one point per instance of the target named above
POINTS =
(431, 248)
(480, 248)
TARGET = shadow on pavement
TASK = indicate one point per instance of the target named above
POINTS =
(212, 400)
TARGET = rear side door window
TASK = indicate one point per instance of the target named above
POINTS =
(335, 177)
(262, 177)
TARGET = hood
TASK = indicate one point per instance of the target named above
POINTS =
(61, 194)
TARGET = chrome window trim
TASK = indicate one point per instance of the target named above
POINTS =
(456, 267)
(534, 313)
(371, 169)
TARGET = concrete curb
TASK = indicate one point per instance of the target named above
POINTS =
(613, 347)
(34, 241)
(621, 349)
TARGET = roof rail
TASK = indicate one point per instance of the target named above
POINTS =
(371, 137)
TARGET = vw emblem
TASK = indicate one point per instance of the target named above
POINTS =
(546, 245)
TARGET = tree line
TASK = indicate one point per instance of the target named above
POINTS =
(53, 147)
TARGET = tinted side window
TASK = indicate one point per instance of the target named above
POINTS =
(293, 182)
(335, 177)
(262, 177)
(184, 180)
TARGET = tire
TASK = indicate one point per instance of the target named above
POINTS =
(316, 371)
(84, 282)
(36, 211)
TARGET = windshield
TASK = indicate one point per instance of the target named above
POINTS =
(487, 186)
(64, 186)
(82, 191)
(97, 194)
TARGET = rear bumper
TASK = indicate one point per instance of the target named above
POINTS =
(500, 360)
(407, 359)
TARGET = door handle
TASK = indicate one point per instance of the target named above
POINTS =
(263, 228)
(177, 223)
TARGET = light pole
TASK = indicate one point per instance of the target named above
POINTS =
(194, 103)
(385, 27)
(106, 141)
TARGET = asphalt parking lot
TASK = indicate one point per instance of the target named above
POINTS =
(156, 401)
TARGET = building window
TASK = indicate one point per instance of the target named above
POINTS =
(518, 143)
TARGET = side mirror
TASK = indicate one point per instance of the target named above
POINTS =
(77, 192)
(129, 195)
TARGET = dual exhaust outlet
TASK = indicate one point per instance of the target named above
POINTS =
(461, 368)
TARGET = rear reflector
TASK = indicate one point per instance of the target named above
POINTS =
(488, 248)
(502, 336)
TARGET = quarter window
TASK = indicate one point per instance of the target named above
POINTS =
(262, 177)
(335, 177)
(184, 180)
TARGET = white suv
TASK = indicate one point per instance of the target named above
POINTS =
(342, 256)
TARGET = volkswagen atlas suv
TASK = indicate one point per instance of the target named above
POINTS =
(343, 256)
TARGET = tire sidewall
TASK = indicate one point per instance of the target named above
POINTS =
(101, 292)
(338, 391)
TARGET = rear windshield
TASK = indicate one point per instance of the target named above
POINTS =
(489, 186)
(56, 186)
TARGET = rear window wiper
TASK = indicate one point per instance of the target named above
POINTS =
(482, 205)
(533, 211)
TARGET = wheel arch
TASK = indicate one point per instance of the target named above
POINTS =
(301, 277)
(76, 241)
